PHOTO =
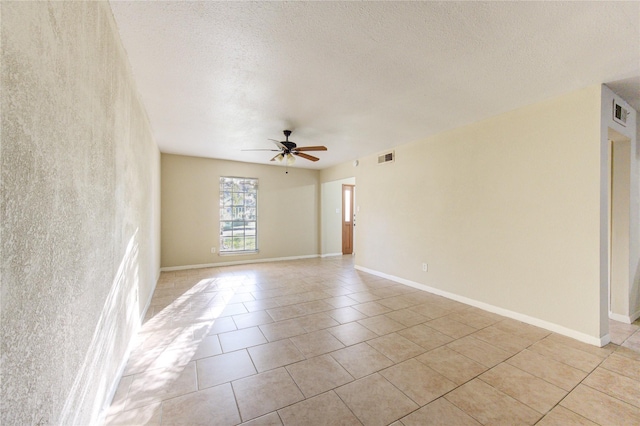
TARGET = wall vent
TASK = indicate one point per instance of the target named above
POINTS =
(620, 113)
(387, 157)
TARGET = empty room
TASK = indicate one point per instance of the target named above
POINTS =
(319, 213)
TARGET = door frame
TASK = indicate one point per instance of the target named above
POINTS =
(348, 247)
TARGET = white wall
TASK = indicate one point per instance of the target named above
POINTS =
(80, 204)
(506, 212)
(288, 211)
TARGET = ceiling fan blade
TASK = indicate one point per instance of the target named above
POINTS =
(311, 148)
(278, 144)
(307, 156)
(274, 158)
(260, 150)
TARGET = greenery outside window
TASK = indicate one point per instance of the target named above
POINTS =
(238, 215)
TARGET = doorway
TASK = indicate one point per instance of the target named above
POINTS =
(619, 228)
(348, 218)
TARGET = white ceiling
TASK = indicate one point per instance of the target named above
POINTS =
(361, 77)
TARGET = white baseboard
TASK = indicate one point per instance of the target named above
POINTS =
(627, 319)
(330, 254)
(236, 262)
(496, 310)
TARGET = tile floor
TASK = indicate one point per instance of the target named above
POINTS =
(315, 342)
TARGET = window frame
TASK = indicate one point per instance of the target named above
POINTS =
(238, 204)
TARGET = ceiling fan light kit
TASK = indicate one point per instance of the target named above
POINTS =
(290, 150)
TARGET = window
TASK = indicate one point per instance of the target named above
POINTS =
(238, 214)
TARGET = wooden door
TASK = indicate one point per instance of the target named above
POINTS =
(347, 218)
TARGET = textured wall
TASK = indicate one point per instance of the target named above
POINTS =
(80, 203)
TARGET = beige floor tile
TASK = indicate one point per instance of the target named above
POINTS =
(623, 365)
(315, 307)
(417, 381)
(560, 416)
(318, 375)
(425, 336)
(615, 385)
(371, 308)
(308, 307)
(271, 419)
(316, 343)
(525, 330)
(208, 346)
(341, 301)
(406, 317)
(585, 347)
(232, 309)
(527, 388)
(361, 360)
(282, 330)
(266, 392)
(566, 354)
(476, 318)
(141, 359)
(430, 310)
(490, 406)
(628, 353)
(275, 354)
(454, 366)
(252, 319)
(346, 314)
(554, 372)
(364, 297)
(439, 413)
(450, 327)
(508, 342)
(149, 415)
(322, 410)
(316, 322)
(224, 368)
(395, 347)
(479, 351)
(375, 401)
(241, 297)
(240, 339)
(396, 303)
(601, 408)
(158, 385)
(261, 305)
(285, 312)
(352, 333)
(214, 405)
(221, 325)
(633, 342)
(620, 332)
(381, 325)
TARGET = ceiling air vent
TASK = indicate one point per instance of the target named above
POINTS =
(387, 157)
(620, 113)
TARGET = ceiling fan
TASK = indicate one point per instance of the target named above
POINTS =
(288, 150)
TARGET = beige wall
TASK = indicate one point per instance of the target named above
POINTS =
(288, 210)
(80, 205)
(505, 212)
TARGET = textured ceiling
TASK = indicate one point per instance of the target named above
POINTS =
(361, 77)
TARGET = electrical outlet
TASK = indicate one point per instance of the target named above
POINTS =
(213, 250)
(425, 267)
